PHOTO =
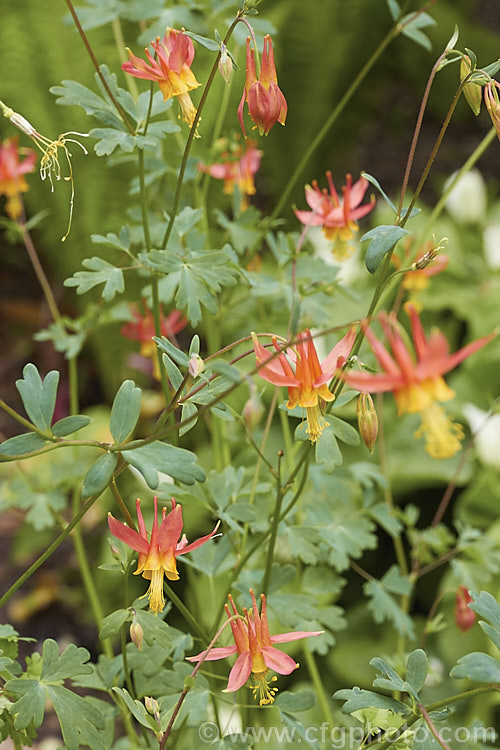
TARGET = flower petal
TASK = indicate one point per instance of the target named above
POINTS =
(240, 672)
(278, 661)
(129, 536)
(198, 542)
(214, 654)
(296, 636)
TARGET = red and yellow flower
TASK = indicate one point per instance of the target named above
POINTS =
(237, 169)
(465, 617)
(307, 384)
(171, 69)
(157, 556)
(12, 171)
(142, 328)
(256, 652)
(416, 380)
(266, 102)
(337, 216)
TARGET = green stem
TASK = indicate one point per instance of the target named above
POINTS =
(122, 55)
(189, 142)
(319, 689)
(274, 528)
(40, 274)
(50, 549)
(195, 625)
(25, 422)
(121, 503)
(467, 166)
(285, 195)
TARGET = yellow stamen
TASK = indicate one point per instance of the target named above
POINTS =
(316, 423)
(155, 592)
(442, 435)
(261, 688)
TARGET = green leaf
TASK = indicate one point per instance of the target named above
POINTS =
(174, 374)
(39, 396)
(155, 629)
(382, 239)
(297, 729)
(121, 242)
(173, 352)
(112, 623)
(357, 699)
(72, 93)
(188, 410)
(377, 184)
(204, 41)
(110, 138)
(137, 709)
(485, 605)
(413, 29)
(229, 371)
(348, 537)
(67, 664)
(383, 607)
(25, 443)
(30, 705)
(101, 272)
(79, 720)
(327, 451)
(296, 701)
(343, 430)
(416, 669)
(68, 425)
(478, 667)
(157, 456)
(99, 474)
(394, 9)
(125, 411)
(389, 678)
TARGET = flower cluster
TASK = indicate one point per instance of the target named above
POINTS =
(12, 171)
(157, 556)
(266, 102)
(171, 69)
(256, 652)
(307, 384)
(337, 216)
(416, 381)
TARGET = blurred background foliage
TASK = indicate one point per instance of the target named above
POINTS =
(319, 47)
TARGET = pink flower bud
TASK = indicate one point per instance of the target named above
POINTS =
(464, 616)
(136, 634)
(196, 365)
(225, 63)
(252, 412)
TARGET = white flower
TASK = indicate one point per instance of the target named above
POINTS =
(466, 203)
(491, 246)
(487, 434)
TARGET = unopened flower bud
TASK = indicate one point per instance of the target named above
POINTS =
(115, 551)
(136, 633)
(464, 616)
(196, 365)
(252, 412)
(493, 104)
(152, 707)
(472, 91)
(367, 420)
(225, 63)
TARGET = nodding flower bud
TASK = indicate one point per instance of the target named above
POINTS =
(472, 91)
(464, 616)
(252, 412)
(493, 104)
(367, 420)
(225, 63)
(136, 633)
(196, 365)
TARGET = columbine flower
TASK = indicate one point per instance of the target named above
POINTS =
(493, 104)
(465, 617)
(416, 382)
(142, 328)
(337, 217)
(157, 557)
(237, 169)
(266, 103)
(12, 171)
(307, 385)
(256, 653)
(171, 70)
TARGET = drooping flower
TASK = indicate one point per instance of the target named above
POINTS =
(256, 652)
(337, 216)
(465, 617)
(142, 328)
(12, 171)
(416, 380)
(171, 70)
(237, 169)
(266, 102)
(307, 385)
(493, 103)
(157, 556)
